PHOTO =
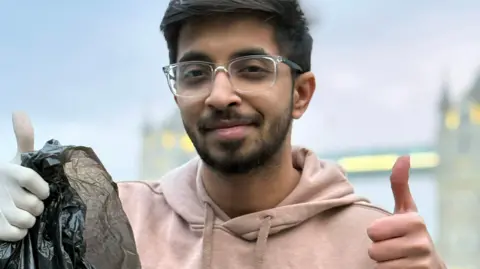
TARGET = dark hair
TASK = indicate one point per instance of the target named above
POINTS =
(286, 16)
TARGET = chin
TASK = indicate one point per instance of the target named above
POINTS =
(238, 148)
(236, 157)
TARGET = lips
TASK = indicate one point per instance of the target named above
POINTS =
(226, 124)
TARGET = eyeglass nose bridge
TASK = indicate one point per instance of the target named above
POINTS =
(220, 68)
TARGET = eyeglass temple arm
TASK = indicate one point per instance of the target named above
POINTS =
(292, 64)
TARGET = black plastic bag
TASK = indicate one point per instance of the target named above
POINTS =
(83, 225)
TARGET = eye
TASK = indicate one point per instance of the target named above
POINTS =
(252, 69)
(193, 71)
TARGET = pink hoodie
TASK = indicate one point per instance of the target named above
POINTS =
(322, 224)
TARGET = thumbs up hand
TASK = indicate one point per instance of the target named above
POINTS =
(21, 189)
(401, 241)
(23, 129)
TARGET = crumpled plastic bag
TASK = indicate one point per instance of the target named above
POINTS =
(83, 225)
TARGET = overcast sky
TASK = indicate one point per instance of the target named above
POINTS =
(86, 70)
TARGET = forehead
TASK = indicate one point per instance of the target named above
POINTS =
(225, 37)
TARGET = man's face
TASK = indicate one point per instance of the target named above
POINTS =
(234, 131)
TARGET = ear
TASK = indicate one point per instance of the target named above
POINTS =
(175, 98)
(302, 93)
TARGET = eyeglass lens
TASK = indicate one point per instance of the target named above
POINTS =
(246, 74)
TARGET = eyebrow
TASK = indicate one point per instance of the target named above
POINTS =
(248, 52)
(194, 56)
(201, 56)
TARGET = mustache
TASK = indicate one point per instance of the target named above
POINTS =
(219, 118)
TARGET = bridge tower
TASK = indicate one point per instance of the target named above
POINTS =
(165, 146)
(458, 177)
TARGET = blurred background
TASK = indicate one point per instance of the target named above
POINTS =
(394, 77)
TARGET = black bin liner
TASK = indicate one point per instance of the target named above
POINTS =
(83, 225)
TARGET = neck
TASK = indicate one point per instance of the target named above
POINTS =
(259, 190)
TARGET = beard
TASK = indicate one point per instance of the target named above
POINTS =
(261, 151)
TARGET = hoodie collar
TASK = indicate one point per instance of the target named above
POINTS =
(322, 186)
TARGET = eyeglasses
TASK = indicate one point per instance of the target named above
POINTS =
(246, 74)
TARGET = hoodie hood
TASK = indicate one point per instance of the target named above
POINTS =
(322, 186)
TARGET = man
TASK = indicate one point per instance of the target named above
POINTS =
(240, 73)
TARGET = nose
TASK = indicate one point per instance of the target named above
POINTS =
(223, 95)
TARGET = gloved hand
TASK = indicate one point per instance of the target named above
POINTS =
(21, 189)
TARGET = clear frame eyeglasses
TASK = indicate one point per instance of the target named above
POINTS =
(246, 74)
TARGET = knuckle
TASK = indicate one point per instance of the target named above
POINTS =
(372, 252)
(20, 219)
(375, 229)
(26, 176)
(422, 245)
(417, 221)
(37, 209)
(424, 264)
(22, 178)
(12, 234)
(33, 182)
(371, 232)
(31, 204)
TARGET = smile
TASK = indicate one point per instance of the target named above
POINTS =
(233, 132)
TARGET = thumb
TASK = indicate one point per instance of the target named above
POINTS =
(401, 190)
(23, 129)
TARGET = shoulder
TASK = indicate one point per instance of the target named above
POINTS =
(130, 188)
(360, 214)
(370, 210)
(134, 194)
(139, 198)
(347, 227)
(353, 220)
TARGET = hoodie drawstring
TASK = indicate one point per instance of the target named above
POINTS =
(262, 239)
(207, 245)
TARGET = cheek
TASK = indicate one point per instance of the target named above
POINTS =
(190, 111)
(269, 103)
(272, 109)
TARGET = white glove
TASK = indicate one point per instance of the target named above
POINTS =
(21, 189)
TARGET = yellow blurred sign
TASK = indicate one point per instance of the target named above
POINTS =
(475, 113)
(384, 162)
(452, 119)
